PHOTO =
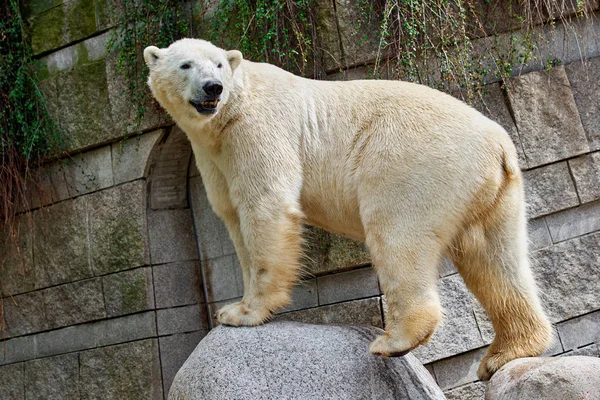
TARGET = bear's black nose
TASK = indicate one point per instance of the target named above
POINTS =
(213, 88)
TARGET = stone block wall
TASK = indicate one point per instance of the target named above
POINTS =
(122, 263)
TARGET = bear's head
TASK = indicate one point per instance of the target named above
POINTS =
(192, 78)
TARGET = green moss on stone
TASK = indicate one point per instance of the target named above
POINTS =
(47, 30)
(119, 245)
(134, 294)
(81, 19)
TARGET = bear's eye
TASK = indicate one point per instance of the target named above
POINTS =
(219, 65)
(185, 66)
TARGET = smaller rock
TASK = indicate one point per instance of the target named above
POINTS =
(565, 378)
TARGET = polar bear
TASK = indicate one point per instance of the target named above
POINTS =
(411, 171)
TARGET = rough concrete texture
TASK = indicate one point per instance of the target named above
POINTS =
(565, 378)
(288, 360)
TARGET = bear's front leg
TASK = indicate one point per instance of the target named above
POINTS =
(271, 234)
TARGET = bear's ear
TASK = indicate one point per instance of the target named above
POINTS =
(152, 54)
(235, 58)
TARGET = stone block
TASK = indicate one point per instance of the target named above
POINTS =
(12, 385)
(574, 222)
(580, 331)
(223, 278)
(130, 157)
(83, 173)
(61, 252)
(539, 235)
(549, 189)
(446, 268)
(458, 370)
(358, 27)
(125, 371)
(61, 60)
(128, 292)
(329, 37)
(74, 303)
(24, 314)
(327, 252)
(546, 116)
(459, 333)
(182, 319)
(125, 329)
(357, 312)
(40, 189)
(17, 349)
(53, 378)
(31, 8)
(349, 285)
(586, 172)
(17, 273)
(587, 351)
(494, 107)
(487, 18)
(213, 238)
(171, 236)
(304, 295)
(177, 284)
(174, 350)
(117, 218)
(84, 106)
(585, 83)
(65, 340)
(471, 391)
(568, 274)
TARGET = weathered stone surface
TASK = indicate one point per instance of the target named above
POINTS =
(74, 303)
(11, 382)
(223, 278)
(171, 236)
(357, 312)
(65, 340)
(580, 331)
(177, 284)
(130, 157)
(327, 252)
(574, 222)
(459, 370)
(588, 351)
(117, 218)
(446, 268)
(125, 329)
(24, 314)
(359, 29)
(291, 360)
(125, 371)
(586, 172)
(304, 295)
(61, 249)
(84, 107)
(549, 189)
(494, 107)
(17, 274)
(174, 350)
(182, 319)
(83, 173)
(546, 115)
(348, 285)
(567, 378)
(128, 292)
(459, 332)
(472, 391)
(568, 274)
(17, 349)
(213, 238)
(53, 378)
(486, 18)
(585, 82)
(169, 168)
(539, 235)
(329, 38)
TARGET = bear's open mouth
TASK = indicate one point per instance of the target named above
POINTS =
(205, 107)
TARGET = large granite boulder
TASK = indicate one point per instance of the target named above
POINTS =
(564, 378)
(289, 360)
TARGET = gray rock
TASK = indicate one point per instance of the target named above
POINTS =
(130, 157)
(128, 292)
(304, 295)
(348, 285)
(174, 350)
(224, 278)
(549, 189)
(586, 172)
(25, 314)
(17, 274)
(565, 378)
(327, 252)
(181, 319)
(472, 391)
(581, 331)
(177, 284)
(574, 222)
(359, 32)
(539, 235)
(546, 115)
(585, 82)
(11, 382)
(459, 370)
(74, 303)
(298, 361)
(53, 378)
(171, 236)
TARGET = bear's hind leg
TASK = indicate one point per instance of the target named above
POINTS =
(407, 269)
(491, 256)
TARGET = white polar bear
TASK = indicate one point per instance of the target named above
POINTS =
(411, 171)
